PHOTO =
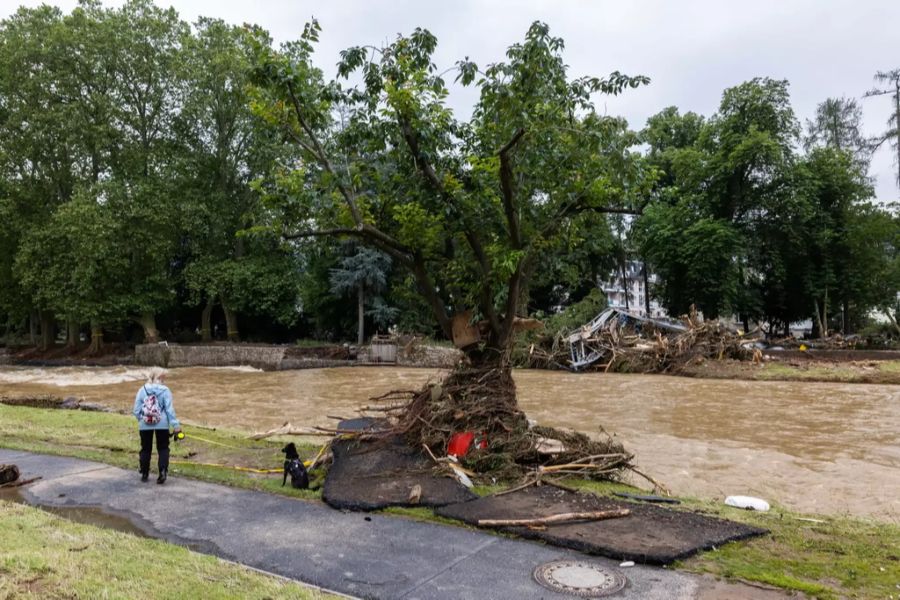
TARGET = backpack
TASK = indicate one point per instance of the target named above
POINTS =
(150, 413)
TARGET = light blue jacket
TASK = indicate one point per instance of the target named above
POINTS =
(166, 410)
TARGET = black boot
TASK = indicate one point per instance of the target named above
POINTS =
(145, 475)
(162, 477)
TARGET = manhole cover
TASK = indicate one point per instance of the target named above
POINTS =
(579, 578)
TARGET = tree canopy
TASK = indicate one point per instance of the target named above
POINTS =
(470, 208)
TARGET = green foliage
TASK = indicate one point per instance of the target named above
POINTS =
(740, 224)
(470, 210)
(127, 151)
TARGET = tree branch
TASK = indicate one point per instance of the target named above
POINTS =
(507, 187)
(428, 172)
(427, 289)
(321, 233)
(319, 152)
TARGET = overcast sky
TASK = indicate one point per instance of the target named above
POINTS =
(692, 50)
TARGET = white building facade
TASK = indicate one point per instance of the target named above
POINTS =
(632, 286)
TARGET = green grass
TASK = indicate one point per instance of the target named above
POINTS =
(309, 343)
(112, 438)
(45, 556)
(889, 366)
(887, 371)
(841, 557)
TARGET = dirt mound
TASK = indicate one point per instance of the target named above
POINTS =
(650, 534)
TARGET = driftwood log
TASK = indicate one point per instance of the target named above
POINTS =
(20, 483)
(598, 515)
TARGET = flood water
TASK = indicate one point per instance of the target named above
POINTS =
(816, 447)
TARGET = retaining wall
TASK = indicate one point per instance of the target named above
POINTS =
(272, 358)
(268, 358)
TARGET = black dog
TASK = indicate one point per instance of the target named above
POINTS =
(294, 466)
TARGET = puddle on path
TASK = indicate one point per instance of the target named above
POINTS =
(79, 514)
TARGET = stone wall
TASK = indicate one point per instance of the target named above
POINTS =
(267, 358)
(272, 358)
(415, 354)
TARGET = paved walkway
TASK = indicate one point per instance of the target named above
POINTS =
(368, 556)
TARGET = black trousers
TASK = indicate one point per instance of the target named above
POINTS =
(162, 448)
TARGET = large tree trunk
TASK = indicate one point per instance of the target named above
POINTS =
(96, 338)
(361, 315)
(206, 320)
(892, 318)
(33, 327)
(818, 322)
(48, 330)
(72, 331)
(148, 322)
(231, 323)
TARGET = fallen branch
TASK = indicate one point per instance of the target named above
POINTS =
(287, 429)
(14, 484)
(657, 486)
(599, 515)
(527, 484)
(561, 486)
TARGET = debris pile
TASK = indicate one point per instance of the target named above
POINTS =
(616, 340)
(478, 405)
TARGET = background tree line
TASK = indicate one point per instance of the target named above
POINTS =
(744, 222)
(155, 176)
(128, 152)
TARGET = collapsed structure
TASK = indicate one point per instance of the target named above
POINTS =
(618, 340)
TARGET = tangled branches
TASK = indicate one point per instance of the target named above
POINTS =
(482, 400)
(622, 342)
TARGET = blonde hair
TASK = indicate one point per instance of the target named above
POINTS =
(156, 375)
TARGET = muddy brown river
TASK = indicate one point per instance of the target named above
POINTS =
(814, 447)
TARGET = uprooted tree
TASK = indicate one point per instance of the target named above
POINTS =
(471, 208)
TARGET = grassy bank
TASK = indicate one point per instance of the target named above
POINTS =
(824, 557)
(882, 371)
(206, 454)
(45, 556)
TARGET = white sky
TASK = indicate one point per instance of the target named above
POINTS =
(692, 50)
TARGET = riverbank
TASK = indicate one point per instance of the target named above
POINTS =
(794, 369)
(823, 556)
(879, 367)
(46, 556)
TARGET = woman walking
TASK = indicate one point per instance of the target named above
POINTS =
(155, 414)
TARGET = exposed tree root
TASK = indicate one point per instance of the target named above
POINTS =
(482, 400)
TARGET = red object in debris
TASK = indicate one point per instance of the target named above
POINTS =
(461, 443)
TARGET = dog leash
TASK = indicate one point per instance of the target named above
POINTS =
(208, 441)
(236, 468)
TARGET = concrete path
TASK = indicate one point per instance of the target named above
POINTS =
(367, 556)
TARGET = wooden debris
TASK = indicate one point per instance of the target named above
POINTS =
(289, 429)
(599, 515)
(14, 484)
